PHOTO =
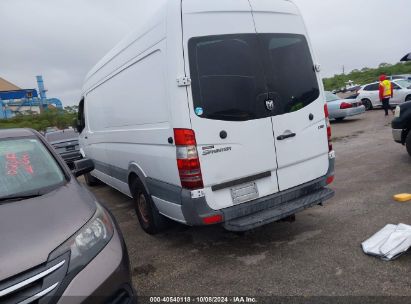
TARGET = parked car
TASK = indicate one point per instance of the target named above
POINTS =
(56, 239)
(339, 108)
(51, 129)
(405, 76)
(369, 94)
(211, 135)
(401, 125)
(65, 142)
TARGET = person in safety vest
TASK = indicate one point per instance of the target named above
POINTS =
(386, 92)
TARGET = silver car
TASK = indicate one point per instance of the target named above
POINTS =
(339, 109)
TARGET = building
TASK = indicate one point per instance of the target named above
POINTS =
(14, 100)
(7, 86)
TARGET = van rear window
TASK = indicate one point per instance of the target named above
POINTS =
(233, 75)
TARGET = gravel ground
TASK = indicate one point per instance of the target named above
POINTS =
(318, 255)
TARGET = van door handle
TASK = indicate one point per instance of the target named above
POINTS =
(285, 136)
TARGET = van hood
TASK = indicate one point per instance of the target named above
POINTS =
(31, 229)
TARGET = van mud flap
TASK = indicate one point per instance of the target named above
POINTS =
(279, 211)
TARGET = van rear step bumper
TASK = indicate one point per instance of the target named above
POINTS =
(278, 212)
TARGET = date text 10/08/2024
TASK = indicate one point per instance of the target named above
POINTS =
(203, 300)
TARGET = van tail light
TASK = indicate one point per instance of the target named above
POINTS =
(330, 179)
(188, 162)
(345, 105)
(327, 121)
(214, 219)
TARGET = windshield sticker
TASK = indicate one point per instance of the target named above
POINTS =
(13, 164)
(199, 111)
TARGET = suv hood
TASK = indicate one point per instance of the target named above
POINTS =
(31, 229)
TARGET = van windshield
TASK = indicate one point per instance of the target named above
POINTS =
(234, 75)
(26, 168)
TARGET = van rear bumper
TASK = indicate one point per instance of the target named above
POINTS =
(178, 204)
(260, 211)
(277, 209)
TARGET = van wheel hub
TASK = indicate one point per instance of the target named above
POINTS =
(143, 208)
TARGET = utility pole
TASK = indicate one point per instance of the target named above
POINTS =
(343, 67)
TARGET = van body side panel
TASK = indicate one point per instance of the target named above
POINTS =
(304, 157)
(129, 109)
(138, 124)
(130, 48)
(225, 65)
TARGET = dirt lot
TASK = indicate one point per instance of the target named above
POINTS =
(318, 255)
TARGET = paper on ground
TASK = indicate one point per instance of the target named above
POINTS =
(390, 242)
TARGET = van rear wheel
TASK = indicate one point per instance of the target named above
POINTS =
(151, 221)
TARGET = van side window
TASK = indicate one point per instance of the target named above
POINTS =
(81, 121)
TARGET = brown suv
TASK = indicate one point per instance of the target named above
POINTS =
(57, 243)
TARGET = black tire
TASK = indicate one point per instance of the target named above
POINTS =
(151, 221)
(408, 143)
(91, 181)
(340, 118)
(367, 104)
(408, 98)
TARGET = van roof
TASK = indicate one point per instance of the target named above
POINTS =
(156, 17)
(150, 21)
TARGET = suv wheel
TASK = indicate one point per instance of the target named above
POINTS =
(408, 143)
(151, 221)
(368, 104)
(408, 98)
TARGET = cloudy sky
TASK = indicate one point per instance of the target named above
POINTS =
(63, 39)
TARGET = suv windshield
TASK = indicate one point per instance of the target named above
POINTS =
(234, 75)
(26, 168)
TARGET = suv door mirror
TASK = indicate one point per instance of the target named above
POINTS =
(82, 167)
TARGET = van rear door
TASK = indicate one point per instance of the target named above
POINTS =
(227, 102)
(298, 118)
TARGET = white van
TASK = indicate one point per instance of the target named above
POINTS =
(213, 112)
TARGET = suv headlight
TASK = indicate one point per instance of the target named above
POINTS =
(397, 112)
(86, 243)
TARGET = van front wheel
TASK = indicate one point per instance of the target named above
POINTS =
(151, 221)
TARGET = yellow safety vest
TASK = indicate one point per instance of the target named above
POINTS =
(386, 84)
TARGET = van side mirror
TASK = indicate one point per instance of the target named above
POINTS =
(82, 167)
